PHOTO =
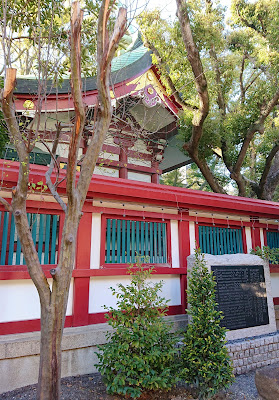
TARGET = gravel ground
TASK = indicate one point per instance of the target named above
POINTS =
(90, 387)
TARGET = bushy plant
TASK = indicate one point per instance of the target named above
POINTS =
(140, 353)
(205, 362)
(266, 253)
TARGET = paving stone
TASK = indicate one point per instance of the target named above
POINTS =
(267, 382)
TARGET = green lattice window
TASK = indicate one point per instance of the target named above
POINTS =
(217, 241)
(127, 239)
(272, 239)
(45, 231)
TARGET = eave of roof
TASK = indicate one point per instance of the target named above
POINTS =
(124, 67)
(142, 192)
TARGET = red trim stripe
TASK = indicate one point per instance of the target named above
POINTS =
(33, 325)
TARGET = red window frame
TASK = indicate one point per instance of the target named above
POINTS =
(129, 217)
(39, 211)
(217, 224)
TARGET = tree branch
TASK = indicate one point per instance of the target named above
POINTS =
(220, 96)
(174, 91)
(192, 146)
(76, 84)
(200, 79)
(49, 172)
(242, 89)
(6, 204)
(19, 193)
(208, 174)
(272, 180)
(257, 126)
(105, 53)
(267, 168)
(252, 80)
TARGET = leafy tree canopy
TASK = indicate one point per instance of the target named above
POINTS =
(38, 37)
(241, 67)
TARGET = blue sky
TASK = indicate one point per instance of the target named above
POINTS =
(169, 6)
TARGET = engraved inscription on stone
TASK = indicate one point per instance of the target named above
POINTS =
(241, 295)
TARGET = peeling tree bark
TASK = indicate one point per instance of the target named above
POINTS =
(53, 300)
(257, 126)
(270, 178)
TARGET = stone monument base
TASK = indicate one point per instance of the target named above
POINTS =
(252, 353)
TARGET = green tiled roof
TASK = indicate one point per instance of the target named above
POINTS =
(124, 67)
(127, 58)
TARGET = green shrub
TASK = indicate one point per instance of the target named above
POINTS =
(140, 353)
(204, 357)
(266, 253)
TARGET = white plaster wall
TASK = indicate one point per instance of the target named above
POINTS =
(139, 177)
(174, 244)
(274, 285)
(106, 171)
(110, 138)
(109, 156)
(20, 301)
(262, 237)
(140, 146)
(95, 241)
(248, 239)
(138, 161)
(192, 236)
(100, 293)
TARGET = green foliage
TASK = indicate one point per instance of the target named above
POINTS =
(40, 39)
(140, 353)
(204, 357)
(173, 178)
(3, 134)
(248, 54)
(266, 253)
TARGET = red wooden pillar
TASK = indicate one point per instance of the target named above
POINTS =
(123, 161)
(256, 237)
(124, 142)
(81, 285)
(155, 177)
(184, 242)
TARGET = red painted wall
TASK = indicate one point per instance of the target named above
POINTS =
(140, 193)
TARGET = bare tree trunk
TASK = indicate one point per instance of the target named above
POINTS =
(50, 353)
(192, 147)
(53, 300)
(53, 314)
(272, 180)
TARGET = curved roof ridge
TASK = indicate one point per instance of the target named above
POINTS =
(124, 67)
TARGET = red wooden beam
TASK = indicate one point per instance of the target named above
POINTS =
(142, 192)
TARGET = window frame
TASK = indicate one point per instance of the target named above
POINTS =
(224, 226)
(130, 217)
(270, 231)
(38, 211)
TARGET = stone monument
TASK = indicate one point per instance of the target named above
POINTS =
(243, 293)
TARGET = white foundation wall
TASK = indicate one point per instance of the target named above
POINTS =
(100, 294)
(274, 285)
(106, 171)
(136, 176)
(20, 301)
